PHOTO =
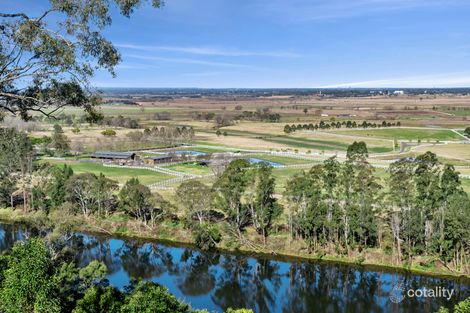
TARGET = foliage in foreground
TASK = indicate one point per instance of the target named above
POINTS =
(34, 280)
(462, 307)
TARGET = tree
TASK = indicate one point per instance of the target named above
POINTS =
(331, 172)
(100, 299)
(56, 190)
(28, 285)
(196, 199)
(266, 209)
(229, 190)
(103, 189)
(15, 162)
(467, 132)
(149, 297)
(46, 60)
(357, 150)
(60, 142)
(401, 191)
(135, 199)
(427, 199)
(81, 191)
(298, 194)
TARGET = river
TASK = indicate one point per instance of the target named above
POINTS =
(216, 281)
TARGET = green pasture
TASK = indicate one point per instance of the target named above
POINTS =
(190, 168)
(280, 159)
(404, 134)
(121, 175)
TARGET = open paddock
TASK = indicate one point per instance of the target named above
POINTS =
(404, 133)
(121, 175)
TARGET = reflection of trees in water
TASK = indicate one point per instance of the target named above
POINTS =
(11, 233)
(146, 261)
(236, 281)
(196, 273)
(88, 248)
(461, 291)
(321, 288)
(242, 284)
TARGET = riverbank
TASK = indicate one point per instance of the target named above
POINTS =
(279, 247)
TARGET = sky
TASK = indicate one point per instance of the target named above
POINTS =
(289, 43)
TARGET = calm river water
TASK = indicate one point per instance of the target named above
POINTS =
(217, 281)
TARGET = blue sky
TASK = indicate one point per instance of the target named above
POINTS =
(291, 43)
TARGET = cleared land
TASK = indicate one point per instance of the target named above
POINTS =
(190, 168)
(404, 133)
(425, 117)
(119, 174)
(452, 151)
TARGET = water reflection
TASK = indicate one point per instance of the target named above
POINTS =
(218, 281)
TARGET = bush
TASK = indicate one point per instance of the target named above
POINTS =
(206, 236)
(108, 132)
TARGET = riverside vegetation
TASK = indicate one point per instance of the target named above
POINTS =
(417, 217)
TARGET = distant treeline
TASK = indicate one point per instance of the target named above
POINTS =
(337, 125)
(259, 115)
(226, 119)
(151, 93)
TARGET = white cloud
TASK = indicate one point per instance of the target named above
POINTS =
(186, 61)
(202, 50)
(424, 81)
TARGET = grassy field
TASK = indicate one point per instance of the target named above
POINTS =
(450, 151)
(280, 159)
(404, 134)
(121, 175)
(190, 168)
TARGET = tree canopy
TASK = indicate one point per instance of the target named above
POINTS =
(46, 60)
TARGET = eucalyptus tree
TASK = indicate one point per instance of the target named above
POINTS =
(331, 169)
(229, 190)
(400, 196)
(297, 196)
(450, 185)
(135, 199)
(266, 208)
(427, 200)
(47, 58)
(60, 142)
(196, 198)
(15, 161)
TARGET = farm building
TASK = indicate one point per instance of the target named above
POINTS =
(116, 157)
(160, 159)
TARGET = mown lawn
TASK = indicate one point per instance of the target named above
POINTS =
(280, 159)
(404, 134)
(190, 168)
(121, 175)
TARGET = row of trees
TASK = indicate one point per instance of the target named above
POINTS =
(421, 209)
(119, 121)
(32, 279)
(261, 114)
(168, 135)
(337, 125)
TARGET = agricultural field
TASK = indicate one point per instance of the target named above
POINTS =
(426, 120)
(403, 133)
(121, 175)
(191, 168)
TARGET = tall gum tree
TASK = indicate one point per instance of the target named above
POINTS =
(47, 60)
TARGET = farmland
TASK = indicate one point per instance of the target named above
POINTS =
(427, 124)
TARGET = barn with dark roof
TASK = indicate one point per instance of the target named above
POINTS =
(117, 157)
